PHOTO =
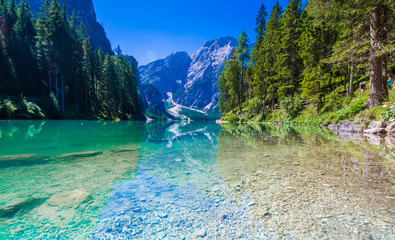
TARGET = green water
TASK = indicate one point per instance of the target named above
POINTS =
(178, 180)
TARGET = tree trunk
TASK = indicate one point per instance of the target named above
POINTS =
(330, 80)
(376, 91)
(86, 97)
(56, 87)
(272, 105)
(62, 94)
(319, 99)
(50, 82)
(263, 107)
(345, 82)
(77, 109)
(351, 84)
(385, 73)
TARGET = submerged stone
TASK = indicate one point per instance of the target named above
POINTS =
(123, 150)
(20, 206)
(70, 199)
(22, 160)
(79, 155)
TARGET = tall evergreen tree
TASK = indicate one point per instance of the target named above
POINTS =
(289, 59)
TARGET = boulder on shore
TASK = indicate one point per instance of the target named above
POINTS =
(375, 131)
(346, 126)
(377, 124)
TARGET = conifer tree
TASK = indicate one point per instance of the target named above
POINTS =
(289, 59)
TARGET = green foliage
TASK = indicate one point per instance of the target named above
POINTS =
(231, 118)
(50, 54)
(8, 107)
(292, 105)
(29, 110)
(233, 80)
(20, 108)
(316, 56)
(277, 115)
(375, 113)
(348, 112)
(253, 106)
(389, 114)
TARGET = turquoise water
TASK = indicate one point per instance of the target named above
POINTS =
(179, 180)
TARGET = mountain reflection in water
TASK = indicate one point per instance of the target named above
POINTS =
(179, 180)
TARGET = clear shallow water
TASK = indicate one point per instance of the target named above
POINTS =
(128, 180)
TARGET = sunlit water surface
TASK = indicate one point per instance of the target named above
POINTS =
(178, 180)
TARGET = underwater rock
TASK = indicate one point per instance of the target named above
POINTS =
(200, 233)
(70, 199)
(79, 155)
(20, 206)
(123, 150)
(22, 160)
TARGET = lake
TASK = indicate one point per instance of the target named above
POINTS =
(180, 180)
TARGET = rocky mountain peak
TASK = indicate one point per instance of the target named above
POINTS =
(210, 58)
(191, 82)
(166, 74)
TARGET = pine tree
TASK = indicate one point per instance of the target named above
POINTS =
(257, 88)
(271, 50)
(21, 50)
(289, 59)
(243, 56)
(367, 22)
(7, 71)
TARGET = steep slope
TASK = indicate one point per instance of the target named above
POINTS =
(166, 74)
(87, 14)
(200, 88)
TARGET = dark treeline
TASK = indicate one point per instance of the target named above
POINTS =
(49, 67)
(308, 55)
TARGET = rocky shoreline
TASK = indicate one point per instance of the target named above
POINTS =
(374, 127)
(376, 132)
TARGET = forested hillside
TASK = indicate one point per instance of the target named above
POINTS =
(48, 68)
(311, 57)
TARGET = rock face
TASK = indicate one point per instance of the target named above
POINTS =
(87, 14)
(200, 88)
(166, 74)
(191, 80)
(153, 102)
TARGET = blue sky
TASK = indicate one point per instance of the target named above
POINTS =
(153, 29)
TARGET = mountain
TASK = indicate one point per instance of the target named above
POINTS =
(200, 88)
(166, 74)
(87, 14)
(189, 84)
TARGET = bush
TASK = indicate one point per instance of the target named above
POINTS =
(9, 107)
(53, 110)
(389, 114)
(276, 115)
(293, 105)
(231, 118)
(253, 106)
